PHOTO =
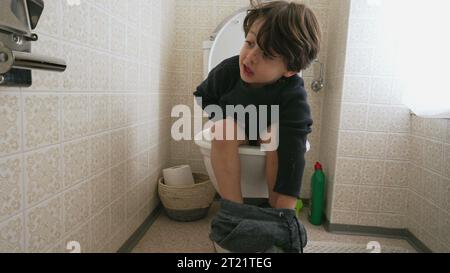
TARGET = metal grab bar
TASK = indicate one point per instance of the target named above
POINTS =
(25, 60)
(10, 59)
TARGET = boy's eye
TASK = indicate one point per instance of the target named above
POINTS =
(249, 43)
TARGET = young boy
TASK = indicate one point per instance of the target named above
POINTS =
(282, 39)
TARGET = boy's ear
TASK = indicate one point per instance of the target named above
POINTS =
(289, 74)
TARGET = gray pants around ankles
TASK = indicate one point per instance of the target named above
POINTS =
(249, 229)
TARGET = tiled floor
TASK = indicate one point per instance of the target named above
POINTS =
(167, 236)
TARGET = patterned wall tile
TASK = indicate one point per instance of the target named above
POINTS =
(418, 126)
(77, 206)
(99, 29)
(351, 144)
(99, 113)
(117, 241)
(143, 166)
(118, 181)
(100, 190)
(75, 116)
(344, 217)
(400, 120)
(132, 107)
(448, 132)
(430, 214)
(444, 231)
(375, 145)
(396, 174)
(132, 141)
(10, 129)
(99, 64)
(346, 197)
(118, 111)
(77, 74)
(435, 129)
(132, 172)
(11, 235)
(118, 44)
(100, 229)
(76, 21)
(82, 236)
(44, 226)
(369, 199)
(431, 186)
(77, 159)
(118, 77)
(433, 156)
(100, 81)
(41, 119)
(379, 118)
(391, 220)
(100, 153)
(367, 219)
(358, 62)
(381, 90)
(43, 175)
(348, 171)
(354, 117)
(11, 190)
(416, 150)
(398, 147)
(118, 146)
(118, 214)
(394, 200)
(132, 202)
(372, 172)
(446, 161)
(357, 89)
(144, 137)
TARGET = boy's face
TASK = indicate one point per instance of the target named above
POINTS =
(258, 69)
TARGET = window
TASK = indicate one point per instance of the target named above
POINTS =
(422, 42)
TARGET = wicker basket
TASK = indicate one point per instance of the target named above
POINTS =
(187, 203)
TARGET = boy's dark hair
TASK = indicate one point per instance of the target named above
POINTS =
(289, 29)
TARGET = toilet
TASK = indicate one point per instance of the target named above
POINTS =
(226, 41)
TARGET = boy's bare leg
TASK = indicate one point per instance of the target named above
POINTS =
(276, 200)
(271, 168)
(225, 159)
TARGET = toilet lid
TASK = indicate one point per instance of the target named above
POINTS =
(229, 41)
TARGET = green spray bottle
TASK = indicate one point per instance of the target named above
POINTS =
(317, 195)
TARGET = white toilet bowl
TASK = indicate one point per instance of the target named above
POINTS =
(253, 166)
(253, 162)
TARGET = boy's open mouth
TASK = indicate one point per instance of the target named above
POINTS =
(248, 72)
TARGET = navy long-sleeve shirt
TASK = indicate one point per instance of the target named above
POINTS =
(224, 86)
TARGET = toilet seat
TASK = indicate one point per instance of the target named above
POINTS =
(228, 41)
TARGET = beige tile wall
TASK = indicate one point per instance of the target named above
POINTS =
(428, 213)
(337, 36)
(80, 152)
(390, 169)
(195, 22)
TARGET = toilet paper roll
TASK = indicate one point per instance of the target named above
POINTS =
(178, 176)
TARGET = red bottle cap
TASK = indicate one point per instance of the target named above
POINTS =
(318, 166)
